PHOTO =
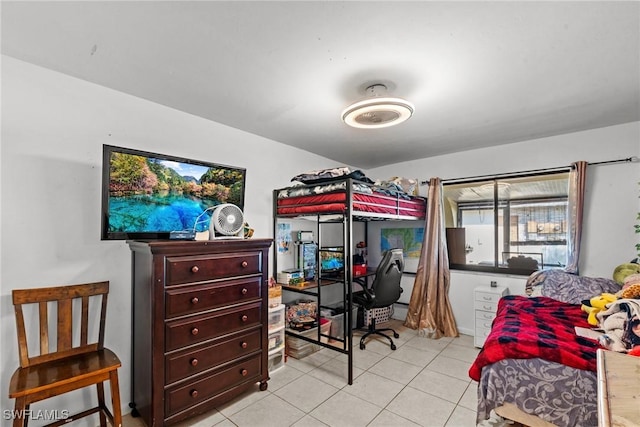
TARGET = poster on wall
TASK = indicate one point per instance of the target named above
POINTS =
(283, 239)
(409, 239)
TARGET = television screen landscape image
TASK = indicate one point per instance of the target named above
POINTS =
(148, 195)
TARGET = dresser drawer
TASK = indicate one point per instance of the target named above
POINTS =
(186, 363)
(484, 323)
(485, 306)
(485, 316)
(186, 269)
(195, 329)
(191, 299)
(480, 336)
(182, 397)
(487, 297)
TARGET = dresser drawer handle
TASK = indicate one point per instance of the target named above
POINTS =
(195, 269)
(244, 372)
(487, 308)
(244, 264)
(194, 331)
(194, 393)
(244, 344)
(194, 362)
(487, 298)
(244, 291)
(244, 317)
(194, 300)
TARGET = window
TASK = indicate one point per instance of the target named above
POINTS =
(514, 224)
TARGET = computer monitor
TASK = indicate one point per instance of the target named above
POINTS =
(331, 261)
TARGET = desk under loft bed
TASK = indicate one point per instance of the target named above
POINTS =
(342, 202)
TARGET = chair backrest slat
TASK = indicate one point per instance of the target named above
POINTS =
(63, 296)
(23, 351)
(84, 326)
(43, 313)
(65, 324)
(103, 320)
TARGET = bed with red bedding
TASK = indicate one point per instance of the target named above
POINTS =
(534, 362)
(348, 195)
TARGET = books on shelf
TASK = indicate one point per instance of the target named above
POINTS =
(290, 277)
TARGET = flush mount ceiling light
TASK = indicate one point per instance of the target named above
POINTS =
(378, 111)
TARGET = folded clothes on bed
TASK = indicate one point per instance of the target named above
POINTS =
(618, 321)
(324, 177)
(328, 175)
(538, 327)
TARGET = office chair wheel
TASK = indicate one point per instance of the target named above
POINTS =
(393, 346)
(396, 335)
(362, 346)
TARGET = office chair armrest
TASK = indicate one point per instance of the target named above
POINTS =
(368, 292)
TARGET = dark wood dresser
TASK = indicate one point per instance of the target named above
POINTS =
(199, 320)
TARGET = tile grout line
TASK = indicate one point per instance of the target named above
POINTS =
(387, 356)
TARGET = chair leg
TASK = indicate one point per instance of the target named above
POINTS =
(395, 334)
(115, 398)
(21, 418)
(101, 404)
(372, 330)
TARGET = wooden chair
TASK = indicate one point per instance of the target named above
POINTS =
(52, 372)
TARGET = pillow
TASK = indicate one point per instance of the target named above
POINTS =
(328, 175)
(533, 287)
(567, 287)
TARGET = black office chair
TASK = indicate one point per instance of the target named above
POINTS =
(384, 291)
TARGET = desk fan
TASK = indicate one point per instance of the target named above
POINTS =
(227, 222)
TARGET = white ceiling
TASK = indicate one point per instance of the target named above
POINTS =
(479, 73)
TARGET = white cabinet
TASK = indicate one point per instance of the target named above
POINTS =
(485, 304)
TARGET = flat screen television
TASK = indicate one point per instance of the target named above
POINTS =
(148, 195)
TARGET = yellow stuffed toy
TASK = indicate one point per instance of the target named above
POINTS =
(594, 305)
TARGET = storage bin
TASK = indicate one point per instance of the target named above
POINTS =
(299, 348)
(276, 338)
(275, 296)
(276, 360)
(359, 270)
(325, 328)
(303, 351)
(336, 315)
(276, 317)
(381, 314)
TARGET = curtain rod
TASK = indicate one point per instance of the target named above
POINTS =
(535, 171)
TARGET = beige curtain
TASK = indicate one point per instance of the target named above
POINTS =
(429, 308)
(575, 207)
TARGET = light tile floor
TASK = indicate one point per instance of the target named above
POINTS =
(422, 383)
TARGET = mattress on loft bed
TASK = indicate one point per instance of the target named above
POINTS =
(319, 201)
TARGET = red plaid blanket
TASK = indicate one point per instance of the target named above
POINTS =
(541, 327)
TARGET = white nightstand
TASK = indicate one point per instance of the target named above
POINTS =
(485, 304)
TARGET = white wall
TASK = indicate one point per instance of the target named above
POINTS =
(53, 128)
(611, 208)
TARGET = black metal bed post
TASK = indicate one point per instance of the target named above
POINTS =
(347, 224)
